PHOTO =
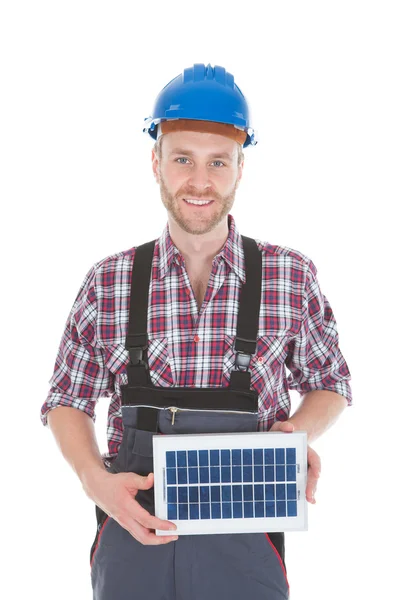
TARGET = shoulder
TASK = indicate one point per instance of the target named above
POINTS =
(110, 266)
(286, 257)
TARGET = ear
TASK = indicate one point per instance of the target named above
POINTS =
(241, 170)
(155, 166)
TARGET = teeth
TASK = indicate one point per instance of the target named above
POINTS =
(198, 201)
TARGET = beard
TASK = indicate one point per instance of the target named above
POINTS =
(203, 220)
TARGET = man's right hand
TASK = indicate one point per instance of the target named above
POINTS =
(115, 495)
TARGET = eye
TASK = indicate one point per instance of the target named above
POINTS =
(184, 158)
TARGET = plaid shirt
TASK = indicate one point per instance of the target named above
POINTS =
(297, 331)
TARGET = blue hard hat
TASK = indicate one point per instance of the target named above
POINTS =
(204, 94)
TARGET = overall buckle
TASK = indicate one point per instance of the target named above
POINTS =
(242, 361)
(136, 355)
(136, 344)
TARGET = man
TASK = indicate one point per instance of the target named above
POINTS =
(185, 291)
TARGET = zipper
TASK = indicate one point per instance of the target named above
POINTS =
(174, 410)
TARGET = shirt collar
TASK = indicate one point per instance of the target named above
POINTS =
(231, 252)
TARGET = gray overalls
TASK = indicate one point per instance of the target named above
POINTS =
(195, 567)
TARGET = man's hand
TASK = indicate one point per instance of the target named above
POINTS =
(314, 461)
(115, 494)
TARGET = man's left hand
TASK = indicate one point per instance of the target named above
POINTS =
(314, 461)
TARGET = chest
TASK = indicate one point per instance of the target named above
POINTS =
(199, 279)
(199, 287)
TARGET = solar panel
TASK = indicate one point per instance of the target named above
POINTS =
(231, 482)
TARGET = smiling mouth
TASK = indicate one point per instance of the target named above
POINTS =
(199, 204)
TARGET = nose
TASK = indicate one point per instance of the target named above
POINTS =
(199, 177)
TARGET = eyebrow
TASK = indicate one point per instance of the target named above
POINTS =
(190, 153)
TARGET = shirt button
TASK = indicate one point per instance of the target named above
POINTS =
(196, 338)
(187, 291)
(260, 359)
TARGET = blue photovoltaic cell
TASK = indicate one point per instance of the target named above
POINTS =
(281, 491)
(172, 511)
(259, 509)
(290, 456)
(171, 476)
(280, 473)
(170, 459)
(226, 493)
(194, 495)
(291, 491)
(258, 492)
(181, 457)
(270, 492)
(280, 509)
(270, 509)
(203, 458)
(237, 493)
(182, 475)
(269, 456)
(269, 474)
(215, 494)
(236, 457)
(182, 494)
(231, 484)
(192, 458)
(171, 494)
(193, 475)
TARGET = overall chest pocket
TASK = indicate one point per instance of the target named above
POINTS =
(159, 360)
(267, 365)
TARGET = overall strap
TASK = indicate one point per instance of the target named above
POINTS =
(248, 316)
(136, 341)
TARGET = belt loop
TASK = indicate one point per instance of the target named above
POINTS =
(147, 418)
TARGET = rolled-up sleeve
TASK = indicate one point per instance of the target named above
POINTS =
(314, 358)
(80, 375)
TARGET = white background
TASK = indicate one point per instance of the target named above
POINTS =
(322, 79)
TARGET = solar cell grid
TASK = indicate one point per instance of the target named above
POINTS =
(232, 466)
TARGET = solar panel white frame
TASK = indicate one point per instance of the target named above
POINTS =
(229, 441)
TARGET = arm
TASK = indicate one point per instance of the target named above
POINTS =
(114, 494)
(319, 373)
(75, 435)
(80, 378)
(318, 410)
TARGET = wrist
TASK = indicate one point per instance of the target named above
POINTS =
(92, 476)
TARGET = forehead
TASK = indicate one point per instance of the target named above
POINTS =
(198, 143)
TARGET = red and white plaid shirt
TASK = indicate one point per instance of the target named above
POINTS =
(297, 331)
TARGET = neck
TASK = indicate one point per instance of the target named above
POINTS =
(199, 249)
